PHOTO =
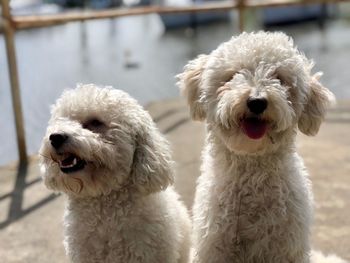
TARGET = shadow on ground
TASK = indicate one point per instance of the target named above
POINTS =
(15, 210)
(31, 216)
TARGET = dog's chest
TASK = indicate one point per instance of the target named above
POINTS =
(100, 217)
(251, 203)
(113, 231)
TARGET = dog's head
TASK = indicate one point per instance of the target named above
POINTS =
(254, 91)
(99, 140)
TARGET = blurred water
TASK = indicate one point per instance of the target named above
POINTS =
(136, 55)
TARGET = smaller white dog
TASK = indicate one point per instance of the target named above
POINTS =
(104, 152)
(253, 200)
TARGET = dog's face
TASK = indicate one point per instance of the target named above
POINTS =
(99, 140)
(254, 91)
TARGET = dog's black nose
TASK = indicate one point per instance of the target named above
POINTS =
(57, 139)
(257, 105)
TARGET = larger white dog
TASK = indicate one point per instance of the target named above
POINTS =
(253, 201)
(104, 152)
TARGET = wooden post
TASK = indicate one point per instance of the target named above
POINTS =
(12, 65)
(241, 6)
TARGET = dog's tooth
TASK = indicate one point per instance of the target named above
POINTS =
(72, 164)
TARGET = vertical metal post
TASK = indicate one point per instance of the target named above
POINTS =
(9, 30)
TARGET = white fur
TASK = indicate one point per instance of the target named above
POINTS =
(253, 200)
(120, 208)
(318, 257)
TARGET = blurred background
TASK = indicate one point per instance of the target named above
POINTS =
(141, 54)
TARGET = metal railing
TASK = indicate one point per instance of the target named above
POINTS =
(10, 24)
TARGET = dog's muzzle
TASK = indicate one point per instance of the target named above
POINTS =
(68, 162)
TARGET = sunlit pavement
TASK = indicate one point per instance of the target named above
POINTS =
(31, 216)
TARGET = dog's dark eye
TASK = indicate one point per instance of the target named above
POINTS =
(93, 125)
(280, 78)
(228, 78)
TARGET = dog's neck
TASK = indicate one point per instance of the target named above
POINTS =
(219, 151)
(119, 197)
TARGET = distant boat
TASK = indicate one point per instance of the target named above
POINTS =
(27, 7)
(190, 19)
(95, 4)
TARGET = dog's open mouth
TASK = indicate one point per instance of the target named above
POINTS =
(254, 128)
(71, 163)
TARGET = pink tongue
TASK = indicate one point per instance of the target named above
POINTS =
(254, 128)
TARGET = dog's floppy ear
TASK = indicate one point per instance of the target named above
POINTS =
(318, 100)
(189, 83)
(152, 165)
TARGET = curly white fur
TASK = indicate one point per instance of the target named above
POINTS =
(115, 168)
(253, 200)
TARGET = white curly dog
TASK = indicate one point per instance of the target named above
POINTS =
(104, 152)
(253, 200)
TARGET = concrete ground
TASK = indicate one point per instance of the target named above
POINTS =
(31, 216)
